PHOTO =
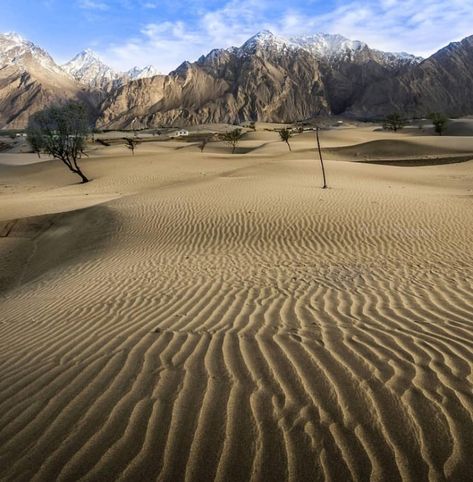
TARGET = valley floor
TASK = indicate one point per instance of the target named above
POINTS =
(190, 316)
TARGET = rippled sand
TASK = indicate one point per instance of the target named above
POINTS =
(191, 316)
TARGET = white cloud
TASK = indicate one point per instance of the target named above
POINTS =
(93, 5)
(415, 26)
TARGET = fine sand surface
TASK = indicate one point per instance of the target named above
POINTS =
(200, 317)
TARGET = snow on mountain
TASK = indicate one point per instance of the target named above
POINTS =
(326, 45)
(88, 68)
(15, 50)
(330, 47)
(142, 73)
(264, 40)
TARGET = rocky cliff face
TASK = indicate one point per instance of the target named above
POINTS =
(443, 82)
(269, 78)
(224, 86)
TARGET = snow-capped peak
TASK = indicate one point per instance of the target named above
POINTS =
(15, 50)
(330, 47)
(88, 68)
(265, 39)
(14, 38)
(327, 45)
(88, 55)
(142, 72)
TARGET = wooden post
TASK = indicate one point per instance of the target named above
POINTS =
(321, 158)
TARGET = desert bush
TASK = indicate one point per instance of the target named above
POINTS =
(233, 138)
(439, 121)
(394, 122)
(285, 134)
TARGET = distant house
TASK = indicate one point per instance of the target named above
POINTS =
(179, 133)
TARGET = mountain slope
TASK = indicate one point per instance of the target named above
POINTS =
(269, 78)
(89, 69)
(137, 73)
(224, 86)
(443, 82)
(29, 81)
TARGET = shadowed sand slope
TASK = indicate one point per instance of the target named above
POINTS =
(228, 320)
(408, 149)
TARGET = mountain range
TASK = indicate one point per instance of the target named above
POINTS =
(88, 69)
(30, 80)
(269, 78)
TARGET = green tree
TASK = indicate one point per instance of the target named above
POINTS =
(61, 131)
(439, 121)
(233, 138)
(394, 122)
(285, 134)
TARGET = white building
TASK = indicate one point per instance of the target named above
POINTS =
(179, 133)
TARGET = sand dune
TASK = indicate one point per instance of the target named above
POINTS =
(191, 316)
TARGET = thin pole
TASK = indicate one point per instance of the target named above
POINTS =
(321, 158)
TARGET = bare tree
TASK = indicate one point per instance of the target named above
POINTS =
(131, 144)
(285, 134)
(320, 156)
(439, 121)
(233, 138)
(394, 122)
(203, 144)
(61, 131)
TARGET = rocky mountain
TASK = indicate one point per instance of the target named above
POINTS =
(443, 82)
(30, 80)
(89, 69)
(137, 73)
(268, 78)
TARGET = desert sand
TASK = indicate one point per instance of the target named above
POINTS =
(207, 316)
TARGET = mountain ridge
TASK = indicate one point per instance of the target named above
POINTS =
(268, 78)
(89, 69)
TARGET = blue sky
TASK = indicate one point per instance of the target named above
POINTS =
(166, 32)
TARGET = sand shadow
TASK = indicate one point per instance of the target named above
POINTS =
(31, 247)
(420, 162)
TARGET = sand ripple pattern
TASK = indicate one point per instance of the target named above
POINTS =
(244, 327)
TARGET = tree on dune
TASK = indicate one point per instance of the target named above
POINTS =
(439, 121)
(61, 131)
(233, 138)
(131, 144)
(285, 134)
(203, 144)
(394, 122)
